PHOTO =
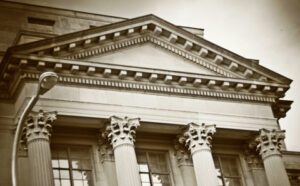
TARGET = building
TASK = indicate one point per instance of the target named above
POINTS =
(139, 102)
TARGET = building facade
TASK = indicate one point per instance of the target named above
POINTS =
(138, 102)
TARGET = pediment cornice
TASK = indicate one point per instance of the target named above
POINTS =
(96, 41)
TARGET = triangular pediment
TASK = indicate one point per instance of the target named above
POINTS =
(99, 43)
(150, 56)
(145, 54)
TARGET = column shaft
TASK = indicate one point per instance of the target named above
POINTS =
(40, 163)
(204, 168)
(126, 166)
(275, 171)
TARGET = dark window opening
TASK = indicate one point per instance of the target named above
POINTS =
(228, 170)
(40, 21)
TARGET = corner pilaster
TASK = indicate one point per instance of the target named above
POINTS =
(107, 159)
(185, 163)
(255, 164)
(105, 149)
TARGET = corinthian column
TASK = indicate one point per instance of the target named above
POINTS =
(185, 164)
(36, 136)
(269, 145)
(198, 139)
(121, 134)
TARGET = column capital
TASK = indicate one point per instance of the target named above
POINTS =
(38, 125)
(198, 137)
(270, 142)
(182, 153)
(122, 130)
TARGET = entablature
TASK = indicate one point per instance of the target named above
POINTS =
(103, 75)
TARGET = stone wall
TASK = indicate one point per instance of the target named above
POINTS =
(21, 23)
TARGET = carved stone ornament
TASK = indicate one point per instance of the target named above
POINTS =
(105, 148)
(38, 125)
(182, 153)
(106, 153)
(252, 157)
(122, 130)
(254, 161)
(270, 142)
(198, 137)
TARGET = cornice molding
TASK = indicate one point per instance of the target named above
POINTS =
(225, 87)
(281, 107)
(41, 63)
(148, 87)
(23, 67)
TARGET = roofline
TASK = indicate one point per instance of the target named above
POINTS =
(202, 29)
(61, 9)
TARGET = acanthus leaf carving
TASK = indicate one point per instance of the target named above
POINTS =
(198, 136)
(122, 130)
(252, 155)
(38, 125)
(270, 142)
(105, 148)
(182, 153)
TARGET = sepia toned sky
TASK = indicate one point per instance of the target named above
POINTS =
(267, 30)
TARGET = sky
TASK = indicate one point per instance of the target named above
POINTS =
(268, 30)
